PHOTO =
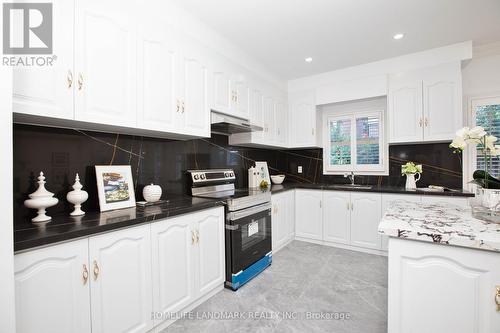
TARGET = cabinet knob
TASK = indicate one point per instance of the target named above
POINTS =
(96, 270)
(197, 232)
(80, 81)
(85, 274)
(178, 106)
(420, 122)
(70, 79)
(193, 237)
(497, 297)
(426, 122)
(183, 107)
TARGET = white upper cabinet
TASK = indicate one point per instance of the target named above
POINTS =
(241, 97)
(365, 217)
(48, 91)
(256, 107)
(337, 217)
(194, 108)
(302, 120)
(222, 94)
(405, 110)
(268, 111)
(121, 285)
(442, 102)
(105, 62)
(281, 128)
(425, 105)
(52, 289)
(158, 103)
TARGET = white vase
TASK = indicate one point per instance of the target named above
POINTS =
(151, 193)
(411, 182)
(77, 197)
(41, 199)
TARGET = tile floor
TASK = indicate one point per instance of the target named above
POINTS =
(303, 278)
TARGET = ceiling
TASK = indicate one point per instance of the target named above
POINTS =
(341, 33)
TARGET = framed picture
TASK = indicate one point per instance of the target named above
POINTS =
(115, 187)
(264, 171)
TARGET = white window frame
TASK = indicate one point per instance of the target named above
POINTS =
(470, 154)
(381, 169)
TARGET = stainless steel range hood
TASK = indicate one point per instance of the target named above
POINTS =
(227, 125)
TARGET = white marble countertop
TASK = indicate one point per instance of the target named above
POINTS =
(439, 223)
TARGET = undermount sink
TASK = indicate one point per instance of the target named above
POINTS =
(351, 186)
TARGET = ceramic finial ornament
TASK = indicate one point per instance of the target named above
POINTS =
(77, 197)
(41, 199)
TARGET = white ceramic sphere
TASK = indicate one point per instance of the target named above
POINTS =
(151, 193)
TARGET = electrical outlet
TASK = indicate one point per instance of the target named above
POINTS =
(299, 169)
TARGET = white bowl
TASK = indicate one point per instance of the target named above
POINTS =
(277, 179)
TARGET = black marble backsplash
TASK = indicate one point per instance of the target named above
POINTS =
(61, 153)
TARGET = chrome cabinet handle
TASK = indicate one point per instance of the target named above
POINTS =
(197, 232)
(420, 122)
(85, 274)
(80, 81)
(183, 107)
(497, 297)
(96, 270)
(70, 79)
(426, 122)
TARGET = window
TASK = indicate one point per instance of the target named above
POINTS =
(355, 142)
(486, 113)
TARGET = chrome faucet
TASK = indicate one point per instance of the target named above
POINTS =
(350, 176)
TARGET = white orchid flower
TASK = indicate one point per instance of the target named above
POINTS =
(494, 151)
(458, 143)
(477, 132)
(490, 141)
(463, 132)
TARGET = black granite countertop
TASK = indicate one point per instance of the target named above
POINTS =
(65, 227)
(375, 188)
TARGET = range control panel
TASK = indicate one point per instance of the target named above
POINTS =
(212, 176)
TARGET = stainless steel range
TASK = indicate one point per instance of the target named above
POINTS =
(248, 223)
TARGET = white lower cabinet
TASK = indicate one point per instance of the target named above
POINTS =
(120, 265)
(308, 214)
(113, 282)
(283, 219)
(424, 277)
(336, 217)
(52, 289)
(365, 217)
(188, 259)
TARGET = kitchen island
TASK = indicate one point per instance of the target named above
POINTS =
(444, 269)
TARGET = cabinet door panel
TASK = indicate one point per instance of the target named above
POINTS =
(308, 214)
(281, 124)
(336, 217)
(242, 98)
(173, 273)
(157, 77)
(256, 108)
(105, 57)
(442, 95)
(121, 292)
(222, 94)
(444, 270)
(405, 111)
(51, 294)
(280, 223)
(365, 218)
(195, 111)
(211, 249)
(302, 120)
(268, 136)
(46, 91)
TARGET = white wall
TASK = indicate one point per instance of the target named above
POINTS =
(7, 305)
(481, 75)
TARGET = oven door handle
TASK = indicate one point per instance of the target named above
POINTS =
(233, 216)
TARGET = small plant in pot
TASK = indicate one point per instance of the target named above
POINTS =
(409, 170)
(488, 187)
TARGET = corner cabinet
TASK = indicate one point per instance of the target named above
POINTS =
(426, 105)
(113, 282)
(302, 120)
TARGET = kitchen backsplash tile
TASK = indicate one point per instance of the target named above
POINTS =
(61, 153)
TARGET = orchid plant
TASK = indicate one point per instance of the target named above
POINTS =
(476, 136)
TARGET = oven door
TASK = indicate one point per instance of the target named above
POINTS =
(248, 233)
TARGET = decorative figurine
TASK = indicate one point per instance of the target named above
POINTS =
(151, 193)
(40, 200)
(77, 197)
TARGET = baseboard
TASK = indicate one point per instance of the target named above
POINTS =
(276, 250)
(343, 246)
(164, 324)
